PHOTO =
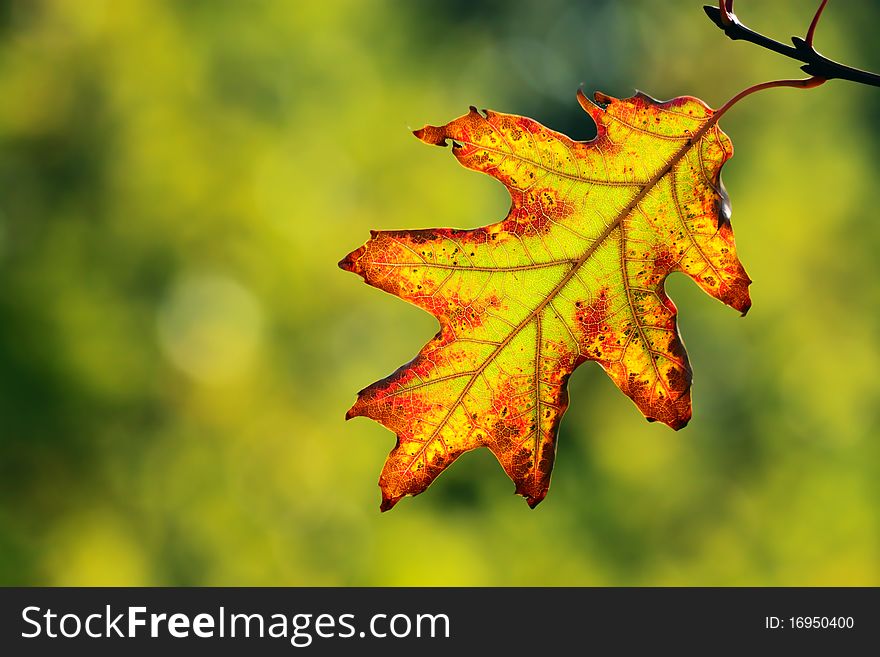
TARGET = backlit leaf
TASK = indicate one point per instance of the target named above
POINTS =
(575, 272)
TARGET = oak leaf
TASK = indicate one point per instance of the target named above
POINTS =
(575, 272)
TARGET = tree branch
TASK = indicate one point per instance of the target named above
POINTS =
(803, 51)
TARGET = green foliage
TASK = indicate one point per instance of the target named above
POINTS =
(177, 347)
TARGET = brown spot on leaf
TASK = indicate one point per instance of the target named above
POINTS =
(592, 321)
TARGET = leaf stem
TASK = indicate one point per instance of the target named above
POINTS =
(805, 83)
(815, 64)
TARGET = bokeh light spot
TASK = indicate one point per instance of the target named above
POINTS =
(210, 327)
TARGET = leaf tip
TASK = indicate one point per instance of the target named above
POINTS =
(534, 494)
(603, 98)
(589, 106)
(534, 501)
(431, 134)
(647, 98)
(388, 502)
(352, 263)
(677, 415)
(738, 297)
(359, 408)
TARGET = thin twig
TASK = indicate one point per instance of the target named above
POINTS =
(815, 64)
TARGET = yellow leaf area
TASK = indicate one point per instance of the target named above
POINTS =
(575, 272)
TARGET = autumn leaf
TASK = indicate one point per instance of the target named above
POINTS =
(575, 272)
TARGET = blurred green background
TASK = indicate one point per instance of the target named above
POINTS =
(178, 348)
